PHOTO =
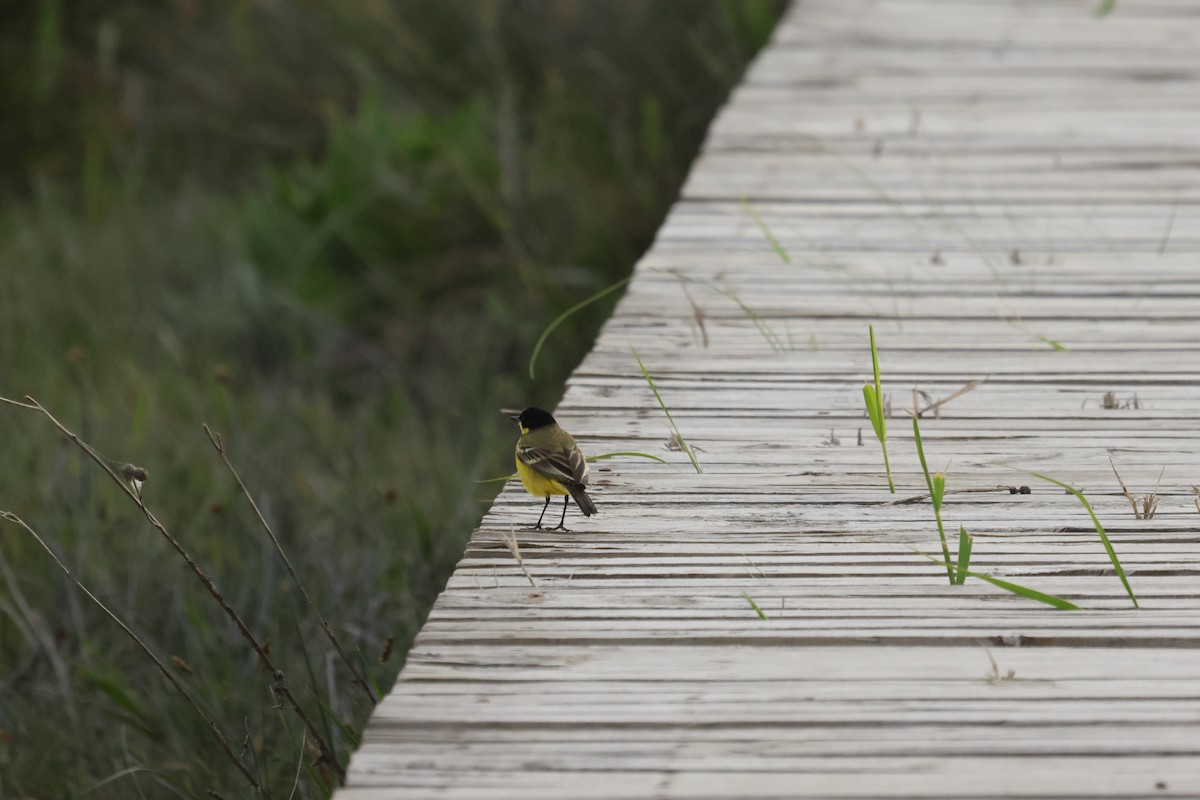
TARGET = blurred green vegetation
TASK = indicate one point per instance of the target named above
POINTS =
(332, 230)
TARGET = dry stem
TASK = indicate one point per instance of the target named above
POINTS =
(359, 680)
(1149, 501)
(510, 541)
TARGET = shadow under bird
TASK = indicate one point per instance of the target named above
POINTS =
(550, 463)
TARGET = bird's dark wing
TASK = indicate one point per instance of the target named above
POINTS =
(565, 465)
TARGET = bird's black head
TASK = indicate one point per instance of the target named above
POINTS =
(533, 418)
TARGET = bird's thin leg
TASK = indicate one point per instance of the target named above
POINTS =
(562, 522)
(538, 527)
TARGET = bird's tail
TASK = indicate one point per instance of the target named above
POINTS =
(582, 500)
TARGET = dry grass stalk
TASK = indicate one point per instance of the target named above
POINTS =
(510, 541)
(1110, 402)
(995, 676)
(359, 680)
(1149, 502)
(698, 315)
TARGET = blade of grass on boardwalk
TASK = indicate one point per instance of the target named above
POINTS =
(603, 456)
(1015, 588)
(937, 489)
(766, 232)
(773, 339)
(1054, 344)
(873, 396)
(537, 348)
(682, 442)
(1112, 554)
(965, 543)
(754, 605)
(770, 335)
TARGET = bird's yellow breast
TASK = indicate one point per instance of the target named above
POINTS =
(536, 483)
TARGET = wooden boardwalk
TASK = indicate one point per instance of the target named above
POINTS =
(975, 178)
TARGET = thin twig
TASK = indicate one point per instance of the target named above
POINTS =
(1125, 490)
(8, 516)
(279, 685)
(922, 497)
(218, 445)
(934, 406)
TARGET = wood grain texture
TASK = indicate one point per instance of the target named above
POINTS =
(978, 179)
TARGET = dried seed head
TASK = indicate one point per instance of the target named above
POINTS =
(131, 472)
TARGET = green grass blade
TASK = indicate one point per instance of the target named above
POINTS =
(773, 338)
(603, 456)
(875, 369)
(1057, 345)
(936, 490)
(1105, 8)
(776, 341)
(497, 480)
(965, 542)
(875, 401)
(1015, 588)
(921, 456)
(682, 442)
(887, 468)
(874, 412)
(1112, 553)
(766, 232)
(754, 605)
(1017, 324)
(537, 348)
(1025, 591)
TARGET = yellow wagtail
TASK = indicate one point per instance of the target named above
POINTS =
(550, 463)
